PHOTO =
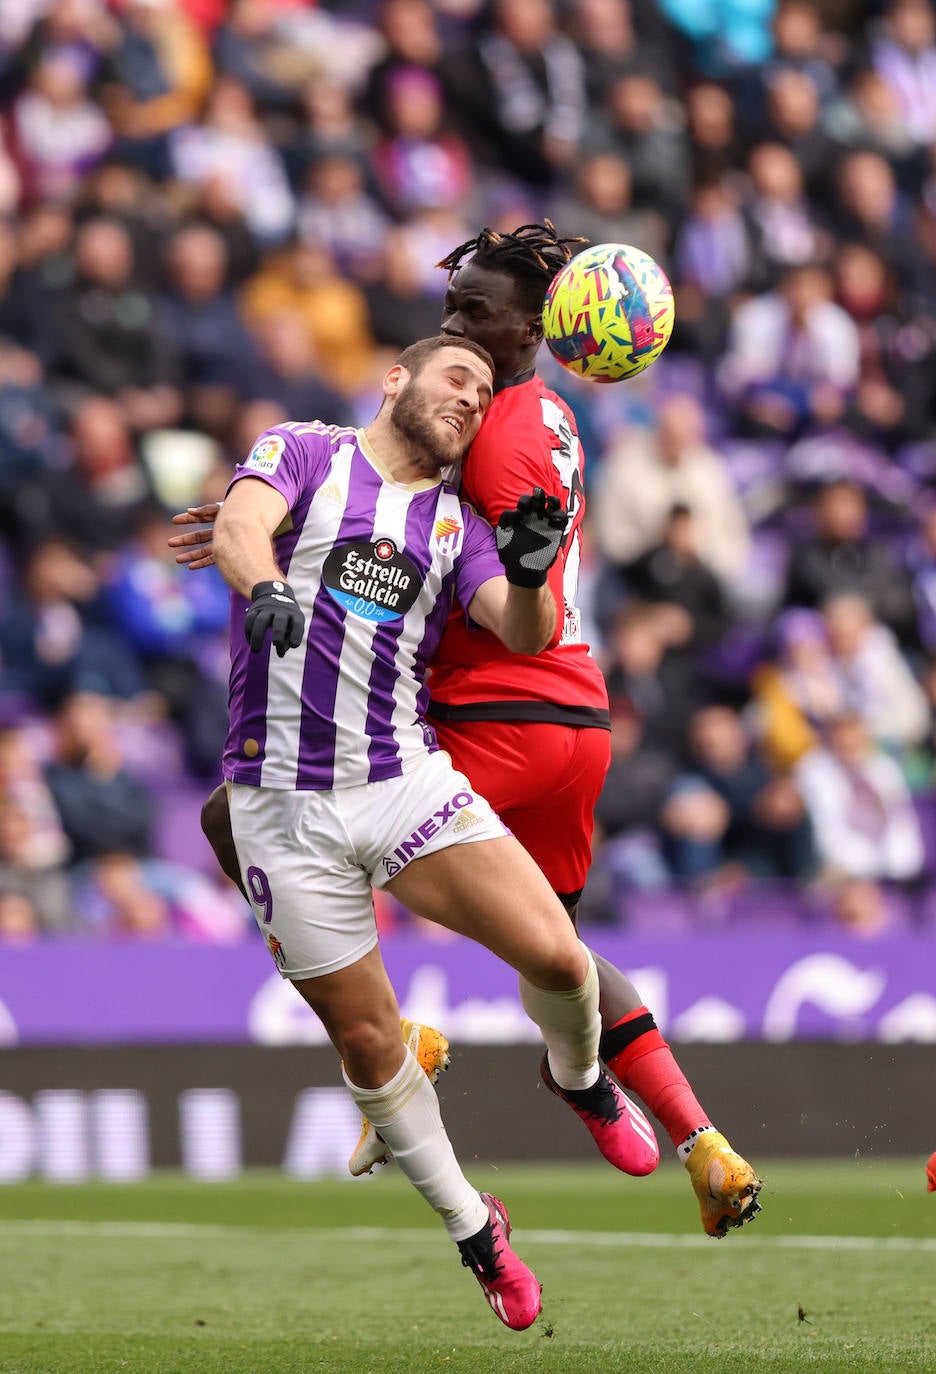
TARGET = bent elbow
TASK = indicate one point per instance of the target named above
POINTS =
(527, 644)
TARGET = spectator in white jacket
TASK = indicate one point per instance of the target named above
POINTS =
(876, 680)
(643, 475)
(864, 823)
(792, 359)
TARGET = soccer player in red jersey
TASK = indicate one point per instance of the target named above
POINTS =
(494, 711)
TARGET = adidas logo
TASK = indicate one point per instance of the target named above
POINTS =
(465, 821)
(332, 492)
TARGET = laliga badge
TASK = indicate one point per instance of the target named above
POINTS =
(266, 453)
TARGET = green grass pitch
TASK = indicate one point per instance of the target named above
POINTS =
(268, 1275)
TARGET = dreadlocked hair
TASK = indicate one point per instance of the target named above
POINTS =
(531, 255)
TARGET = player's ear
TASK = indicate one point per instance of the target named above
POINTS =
(535, 329)
(395, 379)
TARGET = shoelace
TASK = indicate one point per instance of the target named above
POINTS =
(480, 1253)
(599, 1101)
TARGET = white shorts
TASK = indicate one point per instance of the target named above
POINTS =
(310, 859)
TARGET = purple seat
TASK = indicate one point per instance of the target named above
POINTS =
(679, 374)
(925, 807)
(736, 654)
(919, 460)
(765, 570)
(153, 753)
(657, 913)
(754, 464)
(178, 833)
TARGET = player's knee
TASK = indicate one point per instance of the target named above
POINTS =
(216, 825)
(372, 1053)
(572, 968)
(562, 963)
(216, 819)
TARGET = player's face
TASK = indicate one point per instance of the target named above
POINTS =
(440, 409)
(481, 305)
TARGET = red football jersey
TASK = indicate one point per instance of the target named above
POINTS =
(528, 440)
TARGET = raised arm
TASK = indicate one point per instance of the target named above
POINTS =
(243, 534)
(243, 551)
(520, 607)
(522, 618)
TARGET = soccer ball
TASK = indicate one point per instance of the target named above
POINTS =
(608, 313)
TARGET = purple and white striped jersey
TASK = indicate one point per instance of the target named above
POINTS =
(375, 566)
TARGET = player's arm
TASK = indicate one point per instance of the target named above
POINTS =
(520, 607)
(521, 617)
(196, 546)
(243, 534)
(504, 463)
(243, 550)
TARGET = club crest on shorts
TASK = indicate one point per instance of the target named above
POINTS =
(276, 949)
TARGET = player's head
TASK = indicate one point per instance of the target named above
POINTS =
(435, 397)
(418, 355)
(497, 284)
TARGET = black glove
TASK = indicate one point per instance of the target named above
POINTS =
(529, 538)
(273, 606)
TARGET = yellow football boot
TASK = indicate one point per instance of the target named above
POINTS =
(724, 1183)
(432, 1051)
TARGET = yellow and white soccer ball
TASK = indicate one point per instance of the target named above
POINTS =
(609, 312)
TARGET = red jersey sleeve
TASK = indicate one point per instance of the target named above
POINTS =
(528, 440)
(507, 460)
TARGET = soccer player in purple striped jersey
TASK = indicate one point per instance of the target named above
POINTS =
(493, 711)
(344, 550)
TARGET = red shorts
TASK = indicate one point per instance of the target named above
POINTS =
(542, 780)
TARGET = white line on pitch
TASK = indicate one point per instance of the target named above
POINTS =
(169, 1230)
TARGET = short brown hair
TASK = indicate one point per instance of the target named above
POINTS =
(415, 357)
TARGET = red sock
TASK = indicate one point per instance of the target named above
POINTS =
(640, 1059)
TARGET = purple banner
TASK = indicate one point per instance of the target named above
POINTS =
(716, 987)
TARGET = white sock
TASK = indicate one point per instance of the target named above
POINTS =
(571, 1026)
(685, 1149)
(406, 1113)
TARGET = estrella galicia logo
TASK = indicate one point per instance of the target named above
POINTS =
(374, 581)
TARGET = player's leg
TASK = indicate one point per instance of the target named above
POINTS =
(431, 1051)
(216, 825)
(358, 1008)
(313, 904)
(459, 867)
(491, 891)
(550, 809)
(429, 1046)
(551, 812)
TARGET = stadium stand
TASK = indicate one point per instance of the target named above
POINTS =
(213, 215)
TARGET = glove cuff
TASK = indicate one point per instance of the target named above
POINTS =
(279, 589)
(526, 577)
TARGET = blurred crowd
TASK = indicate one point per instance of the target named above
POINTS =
(219, 214)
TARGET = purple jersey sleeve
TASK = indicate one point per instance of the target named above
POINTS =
(294, 463)
(478, 561)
